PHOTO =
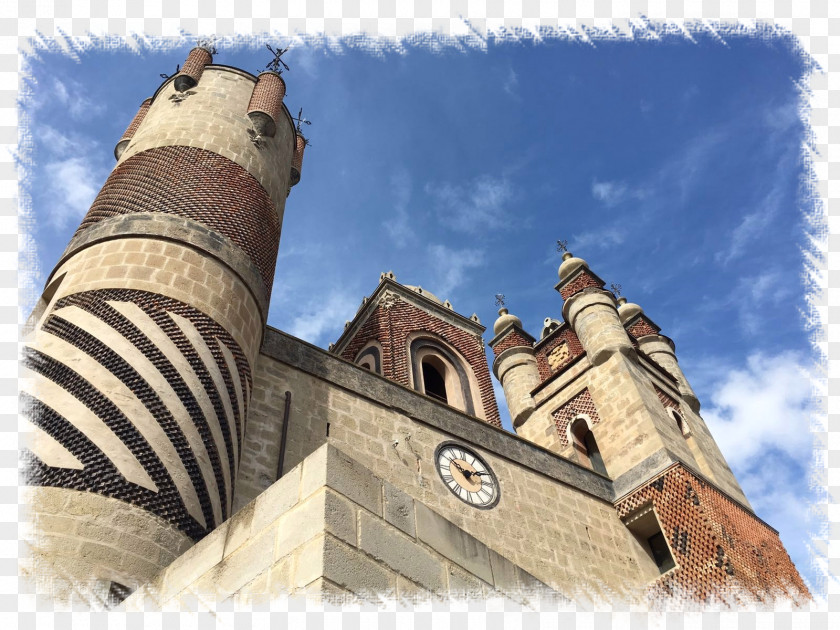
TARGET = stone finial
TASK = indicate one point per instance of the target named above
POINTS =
(505, 319)
(628, 310)
(569, 265)
(387, 274)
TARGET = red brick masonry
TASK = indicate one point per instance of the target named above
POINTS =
(137, 120)
(392, 326)
(723, 552)
(512, 340)
(268, 95)
(200, 185)
(584, 280)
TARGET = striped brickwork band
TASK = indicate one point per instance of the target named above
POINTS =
(143, 399)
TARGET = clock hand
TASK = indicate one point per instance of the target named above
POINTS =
(467, 474)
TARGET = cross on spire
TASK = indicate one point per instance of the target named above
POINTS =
(563, 246)
(301, 120)
(275, 63)
(616, 289)
(166, 76)
(207, 44)
(500, 299)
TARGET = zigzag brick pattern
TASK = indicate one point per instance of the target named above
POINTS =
(391, 327)
(579, 404)
(137, 120)
(666, 400)
(199, 185)
(722, 551)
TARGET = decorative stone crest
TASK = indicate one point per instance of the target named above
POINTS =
(559, 356)
(389, 299)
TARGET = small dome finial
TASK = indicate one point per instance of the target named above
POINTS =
(505, 318)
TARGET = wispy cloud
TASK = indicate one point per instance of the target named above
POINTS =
(754, 295)
(762, 406)
(450, 267)
(398, 226)
(750, 228)
(474, 207)
(600, 239)
(615, 192)
(511, 82)
(71, 96)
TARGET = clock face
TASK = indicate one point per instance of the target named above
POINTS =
(467, 475)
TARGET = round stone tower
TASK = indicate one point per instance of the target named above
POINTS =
(138, 372)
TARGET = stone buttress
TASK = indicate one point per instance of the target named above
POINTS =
(138, 370)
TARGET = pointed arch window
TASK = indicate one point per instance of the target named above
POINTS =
(586, 446)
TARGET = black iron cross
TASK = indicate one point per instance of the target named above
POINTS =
(275, 63)
(616, 289)
(166, 76)
(562, 246)
(500, 299)
(300, 119)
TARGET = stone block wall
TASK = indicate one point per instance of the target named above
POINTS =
(568, 538)
(331, 529)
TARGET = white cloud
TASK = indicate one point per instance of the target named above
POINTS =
(397, 226)
(475, 207)
(320, 320)
(71, 188)
(761, 407)
(616, 192)
(450, 266)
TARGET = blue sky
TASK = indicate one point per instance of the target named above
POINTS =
(672, 167)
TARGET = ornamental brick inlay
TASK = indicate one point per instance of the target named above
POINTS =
(666, 399)
(560, 336)
(723, 552)
(559, 356)
(579, 404)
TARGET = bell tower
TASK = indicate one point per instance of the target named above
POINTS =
(138, 368)
(409, 335)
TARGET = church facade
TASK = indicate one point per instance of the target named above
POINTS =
(180, 446)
